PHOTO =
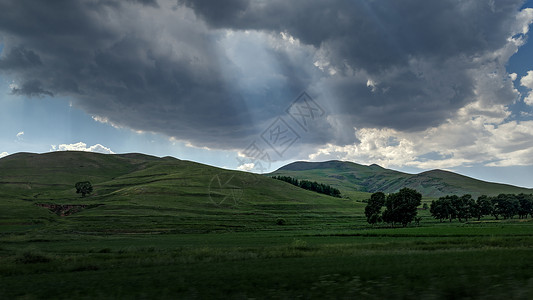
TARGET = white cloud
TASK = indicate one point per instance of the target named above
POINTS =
(462, 141)
(3, 154)
(82, 147)
(188, 144)
(527, 81)
(246, 167)
(529, 99)
(105, 120)
(13, 86)
(523, 20)
(371, 84)
(287, 37)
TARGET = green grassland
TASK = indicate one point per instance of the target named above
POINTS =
(163, 228)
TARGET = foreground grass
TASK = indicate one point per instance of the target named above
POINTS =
(157, 248)
(475, 261)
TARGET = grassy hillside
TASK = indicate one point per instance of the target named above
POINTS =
(163, 228)
(354, 179)
(168, 194)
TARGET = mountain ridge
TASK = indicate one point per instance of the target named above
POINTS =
(354, 180)
(352, 177)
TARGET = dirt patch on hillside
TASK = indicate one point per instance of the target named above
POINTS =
(66, 209)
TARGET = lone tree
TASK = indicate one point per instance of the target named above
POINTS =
(373, 208)
(84, 188)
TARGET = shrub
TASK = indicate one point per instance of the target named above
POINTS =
(299, 244)
(32, 257)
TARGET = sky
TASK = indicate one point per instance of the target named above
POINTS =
(253, 85)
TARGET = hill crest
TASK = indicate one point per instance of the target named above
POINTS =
(353, 177)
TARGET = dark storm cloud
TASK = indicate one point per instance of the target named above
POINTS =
(160, 65)
(152, 3)
(372, 33)
(386, 40)
(32, 88)
(219, 13)
(19, 58)
(112, 65)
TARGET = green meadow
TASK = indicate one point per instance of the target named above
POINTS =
(162, 228)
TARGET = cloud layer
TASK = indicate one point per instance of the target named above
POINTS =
(81, 146)
(216, 74)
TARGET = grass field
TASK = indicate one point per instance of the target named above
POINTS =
(170, 229)
(482, 261)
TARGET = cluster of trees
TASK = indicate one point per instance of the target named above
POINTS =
(465, 207)
(311, 185)
(400, 208)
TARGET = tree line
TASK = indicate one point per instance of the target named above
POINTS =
(465, 207)
(400, 207)
(311, 185)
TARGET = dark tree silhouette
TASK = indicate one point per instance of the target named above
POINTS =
(311, 185)
(526, 205)
(464, 207)
(401, 206)
(373, 208)
(441, 209)
(84, 188)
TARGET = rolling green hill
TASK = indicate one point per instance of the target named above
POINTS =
(166, 228)
(353, 179)
(135, 192)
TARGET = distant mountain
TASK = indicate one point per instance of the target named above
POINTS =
(353, 179)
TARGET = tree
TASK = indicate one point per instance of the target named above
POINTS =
(401, 207)
(526, 205)
(440, 209)
(84, 188)
(455, 205)
(485, 206)
(445, 207)
(466, 207)
(373, 208)
(312, 186)
(506, 205)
